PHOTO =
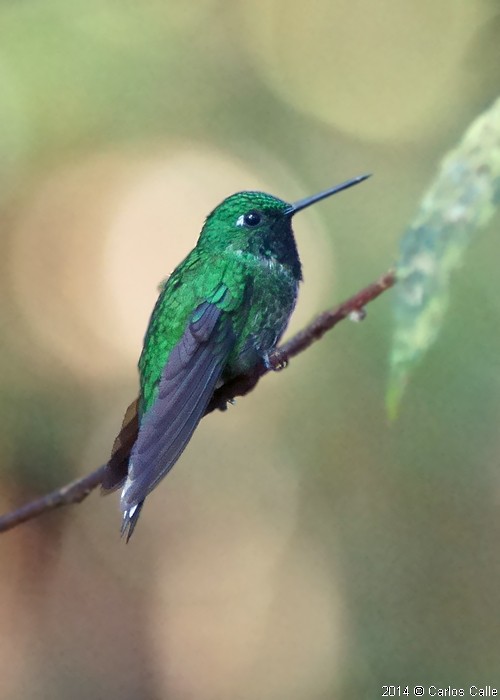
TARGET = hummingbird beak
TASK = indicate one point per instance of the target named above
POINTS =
(303, 203)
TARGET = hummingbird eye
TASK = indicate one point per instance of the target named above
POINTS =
(252, 218)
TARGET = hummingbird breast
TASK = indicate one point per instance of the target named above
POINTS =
(272, 289)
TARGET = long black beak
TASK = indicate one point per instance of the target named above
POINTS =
(303, 203)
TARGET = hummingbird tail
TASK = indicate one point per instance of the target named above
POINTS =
(130, 518)
(115, 473)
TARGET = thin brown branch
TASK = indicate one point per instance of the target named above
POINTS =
(79, 489)
(313, 332)
(74, 492)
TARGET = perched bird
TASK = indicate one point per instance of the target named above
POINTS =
(223, 309)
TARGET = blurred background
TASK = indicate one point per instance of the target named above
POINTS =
(303, 547)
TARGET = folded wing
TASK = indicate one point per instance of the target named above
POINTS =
(188, 381)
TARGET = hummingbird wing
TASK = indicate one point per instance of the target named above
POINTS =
(188, 381)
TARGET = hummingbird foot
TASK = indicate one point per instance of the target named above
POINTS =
(274, 364)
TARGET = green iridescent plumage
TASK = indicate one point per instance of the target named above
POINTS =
(221, 311)
(227, 268)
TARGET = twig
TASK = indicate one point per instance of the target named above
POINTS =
(74, 492)
(79, 489)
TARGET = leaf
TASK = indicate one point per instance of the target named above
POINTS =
(461, 200)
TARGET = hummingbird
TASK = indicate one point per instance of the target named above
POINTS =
(222, 311)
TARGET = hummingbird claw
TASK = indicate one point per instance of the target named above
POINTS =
(274, 363)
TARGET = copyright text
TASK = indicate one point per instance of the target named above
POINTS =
(434, 691)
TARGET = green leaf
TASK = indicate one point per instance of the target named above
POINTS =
(461, 200)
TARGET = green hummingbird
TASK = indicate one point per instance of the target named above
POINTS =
(222, 310)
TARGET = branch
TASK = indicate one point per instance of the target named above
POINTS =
(79, 489)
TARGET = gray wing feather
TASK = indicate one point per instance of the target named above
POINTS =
(188, 381)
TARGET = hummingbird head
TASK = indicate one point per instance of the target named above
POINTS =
(253, 224)
(260, 225)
